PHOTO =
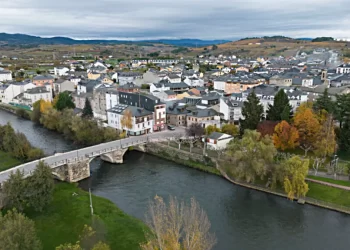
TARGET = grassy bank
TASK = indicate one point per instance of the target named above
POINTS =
(338, 182)
(332, 195)
(66, 216)
(7, 161)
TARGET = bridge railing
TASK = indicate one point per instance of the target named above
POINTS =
(81, 154)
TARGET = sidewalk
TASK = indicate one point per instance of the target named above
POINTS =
(329, 184)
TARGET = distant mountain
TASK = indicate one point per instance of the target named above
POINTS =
(22, 39)
(304, 39)
(188, 42)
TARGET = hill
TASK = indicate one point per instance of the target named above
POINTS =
(22, 39)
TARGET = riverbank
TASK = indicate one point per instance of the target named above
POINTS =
(63, 220)
(7, 161)
(319, 195)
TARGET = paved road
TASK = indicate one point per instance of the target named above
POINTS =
(93, 151)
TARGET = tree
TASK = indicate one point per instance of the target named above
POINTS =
(40, 187)
(293, 173)
(195, 130)
(230, 129)
(251, 156)
(267, 128)
(126, 120)
(285, 136)
(281, 109)
(341, 108)
(324, 102)
(17, 232)
(50, 118)
(36, 114)
(214, 47)
(252, 112)
(326, 143)
(177, 226)
(15, 190)
(308, 127)
(210, 129)
(64, 101)
(87, 111)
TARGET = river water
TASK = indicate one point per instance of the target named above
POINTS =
(242, 219)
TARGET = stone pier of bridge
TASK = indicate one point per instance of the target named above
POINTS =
(79, 169)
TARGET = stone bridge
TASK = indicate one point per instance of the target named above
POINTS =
(74, 166)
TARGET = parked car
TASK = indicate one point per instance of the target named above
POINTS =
(171, 127)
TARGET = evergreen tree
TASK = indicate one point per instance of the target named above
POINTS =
(87, 111)
(64, 101)
(40, 186)
(252, 112)
(15, 190)
(17, 232)
(324, 102)
(281, 109)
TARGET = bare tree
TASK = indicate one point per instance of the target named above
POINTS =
(177, 226)
(178, 138)
(191, 141)
(195, 130)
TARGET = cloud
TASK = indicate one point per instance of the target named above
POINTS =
(148, 19)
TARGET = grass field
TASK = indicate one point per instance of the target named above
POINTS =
(7, 161)
(66, 216)
(329, 194)
(338, 182)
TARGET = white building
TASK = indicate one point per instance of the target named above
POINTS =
(9, 91)
(231, 109)
(266, 94)
(194, 82)
(60, 71)
(218, 141)
(36, 94)
(341, 69)
(112, 98)
(142, 119)
(5, 75)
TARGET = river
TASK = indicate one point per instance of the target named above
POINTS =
(242, 219)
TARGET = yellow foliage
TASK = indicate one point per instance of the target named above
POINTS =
(44, 106)
(285, 136)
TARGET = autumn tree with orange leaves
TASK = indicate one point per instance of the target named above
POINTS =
(285, 136)
(308, 126)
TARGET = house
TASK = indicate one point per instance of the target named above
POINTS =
(126, 77)
(176, 114)
(266, 94)
(40, 80)
(164, 85)
(11, 90)
(242, 69)
(62, 85)
(99, 101)
(35, 94)
(231, 109)
(205, 117)
(173, 78)
(167, 95)
(148, 102)
(129, 87)
(5, 75)
(343, 68)
(218, 141)
(142, 119)
(194, 82)
(92, 75)
(60, 71)
(86, 86)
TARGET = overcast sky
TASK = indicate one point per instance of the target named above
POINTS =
(150, 19)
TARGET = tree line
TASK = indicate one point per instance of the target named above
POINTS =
(17, 144)
(59, 116)
(17, 232)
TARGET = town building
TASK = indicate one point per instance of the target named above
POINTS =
(40, 80)
(5, 75)
(35, 94)
(343, 68)
(142, 119)
(147, 102)
(205, 117)
(218, 141)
